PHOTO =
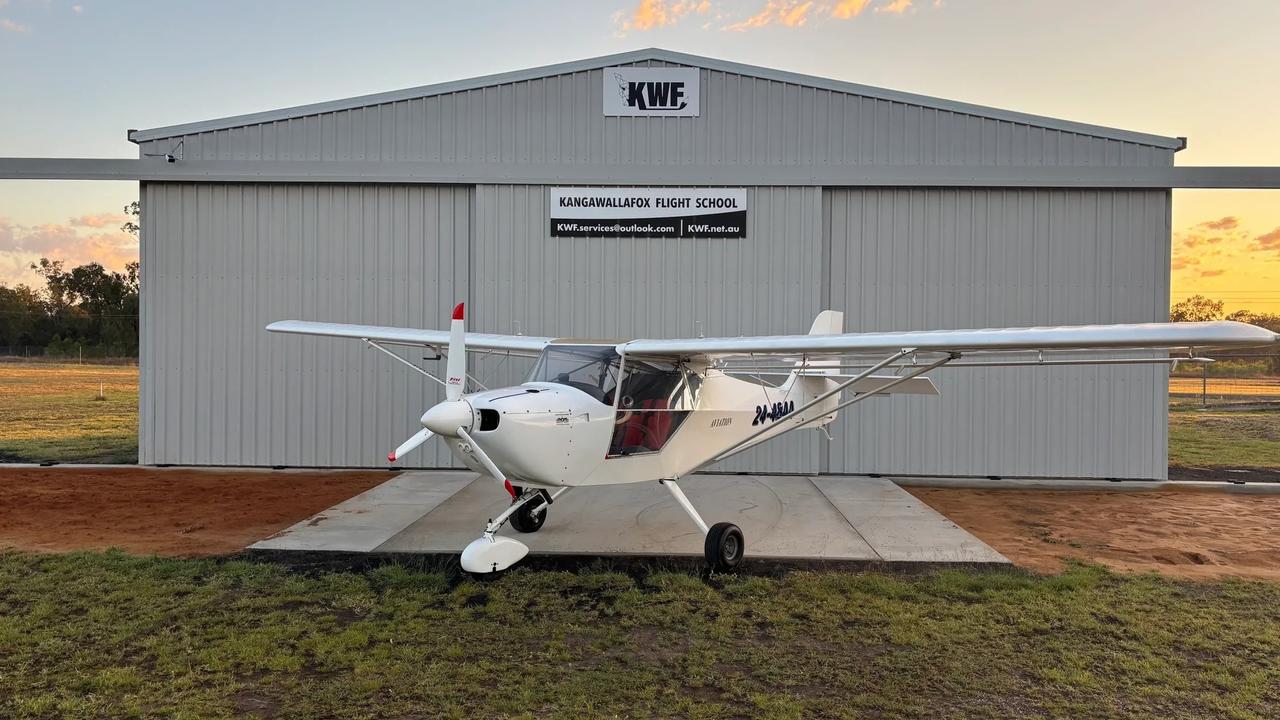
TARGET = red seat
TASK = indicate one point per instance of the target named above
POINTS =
(648, 430)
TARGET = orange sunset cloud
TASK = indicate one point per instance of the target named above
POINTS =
(653, 14)
(21, 245)
(1226, 259)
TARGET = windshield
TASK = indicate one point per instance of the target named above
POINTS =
(592, 369)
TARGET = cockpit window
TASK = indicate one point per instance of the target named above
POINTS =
(592, 369)
(655, 399)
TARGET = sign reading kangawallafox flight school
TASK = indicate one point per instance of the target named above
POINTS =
(639, 91)
(648, 212)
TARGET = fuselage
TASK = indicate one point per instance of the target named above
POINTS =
(589, 417)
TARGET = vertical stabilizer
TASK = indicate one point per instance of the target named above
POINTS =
(811, 384)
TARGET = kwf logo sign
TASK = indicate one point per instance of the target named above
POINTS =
(637, 91)
(658, 95)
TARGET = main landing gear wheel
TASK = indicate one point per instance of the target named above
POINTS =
(527, 520)
(724, 547)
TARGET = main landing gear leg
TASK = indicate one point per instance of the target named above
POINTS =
(492, 552)
(724, 544)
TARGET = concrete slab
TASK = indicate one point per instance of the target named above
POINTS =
(369, 519)
(900, 527)
(782, 517)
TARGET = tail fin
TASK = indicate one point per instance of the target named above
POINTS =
(811, 384)
(828, 322)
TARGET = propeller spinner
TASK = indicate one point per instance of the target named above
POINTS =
(453, 417)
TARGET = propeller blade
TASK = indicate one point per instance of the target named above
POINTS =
(456, 370)
(483, 457)
(418, 438)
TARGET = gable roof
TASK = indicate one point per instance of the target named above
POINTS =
(660, 55)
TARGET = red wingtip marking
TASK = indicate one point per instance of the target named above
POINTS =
(457, 312)
(510, 490)
(391, 457)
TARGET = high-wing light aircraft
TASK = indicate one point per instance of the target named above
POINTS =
(597, 412)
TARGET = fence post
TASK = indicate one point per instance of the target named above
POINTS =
(1204, 385)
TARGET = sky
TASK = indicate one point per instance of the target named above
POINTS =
(75, 75)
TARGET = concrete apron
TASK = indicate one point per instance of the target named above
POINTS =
(782, 517)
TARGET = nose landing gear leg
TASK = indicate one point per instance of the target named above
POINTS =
(492, 552)
(724, 545)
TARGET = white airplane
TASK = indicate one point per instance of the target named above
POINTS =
(611, 412)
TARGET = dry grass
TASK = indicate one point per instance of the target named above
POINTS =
(1224, 438)
(51, 413)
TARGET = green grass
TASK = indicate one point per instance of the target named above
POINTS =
(51, 413)
(1224, 438)
(108, 635)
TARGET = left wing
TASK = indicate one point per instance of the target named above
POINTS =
(1149, 336)
(520, 344)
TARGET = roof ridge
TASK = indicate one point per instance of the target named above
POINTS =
(663, 55)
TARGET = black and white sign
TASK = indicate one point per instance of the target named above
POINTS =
(639, 91)
(648, 212)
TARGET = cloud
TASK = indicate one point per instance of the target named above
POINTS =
(1229, 222)
(653, 14)
(77, 9)
(650, 14)
(1211, 273)
(896, 7)
(790, 13)
(8, 25)
(1268, 241)
(846, 9)
(100, 220)
(21, 245)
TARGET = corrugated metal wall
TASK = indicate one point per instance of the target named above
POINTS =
(219, 262)
(745, 119)
(949, 259)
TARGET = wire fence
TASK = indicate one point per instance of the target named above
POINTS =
(73, 354)
(1242, 379)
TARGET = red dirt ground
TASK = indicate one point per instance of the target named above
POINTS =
(183, 512)
(1182, 532)
(176, 512)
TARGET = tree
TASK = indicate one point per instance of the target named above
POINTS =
(92, 306)
(134, 211)
(23, 319)
(1196, 308)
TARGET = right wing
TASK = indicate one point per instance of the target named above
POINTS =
(516, 344)
(1149, 336)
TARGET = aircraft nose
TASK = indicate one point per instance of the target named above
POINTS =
(446, 417)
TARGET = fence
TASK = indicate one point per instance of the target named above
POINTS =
(1242, 379)
(75, 354)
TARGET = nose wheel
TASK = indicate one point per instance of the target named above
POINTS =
(531, 515)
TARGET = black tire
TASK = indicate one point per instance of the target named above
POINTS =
(526, 521)
(724, 547)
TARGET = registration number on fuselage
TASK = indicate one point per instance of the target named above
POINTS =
(769, 413)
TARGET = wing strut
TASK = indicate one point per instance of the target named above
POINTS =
(796, 418)
(401, 360)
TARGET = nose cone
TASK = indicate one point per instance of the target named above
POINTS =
(447, 417)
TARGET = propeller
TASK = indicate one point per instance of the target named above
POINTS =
(452, 417)
(417, 439)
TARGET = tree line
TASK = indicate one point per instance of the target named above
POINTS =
(1199, 308)
(85, 309)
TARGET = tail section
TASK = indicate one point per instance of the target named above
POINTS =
(811, 384)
